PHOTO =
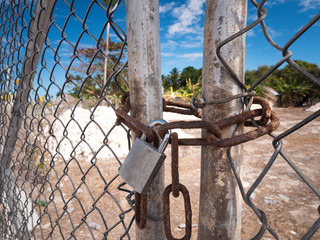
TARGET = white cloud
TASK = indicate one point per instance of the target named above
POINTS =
(191, 44)
(252, 17)
(184, 55)
(187, 17)
(191, 55)
(4, 40)
(59, 15)
(86, 45)
(249, 45)
(167, 54)
(306, 4)
(65, 62)
(169, 45)
(250, 33)
(166, 7)
(273, 33)
(65, 54)
(274, 2)
(309, 5)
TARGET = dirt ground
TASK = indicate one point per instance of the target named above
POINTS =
(291, 207)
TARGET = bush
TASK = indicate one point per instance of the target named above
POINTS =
(294, 87)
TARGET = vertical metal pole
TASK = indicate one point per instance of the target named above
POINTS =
(143, 31)
(220, 204)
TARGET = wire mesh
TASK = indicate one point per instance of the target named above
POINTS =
(277, 142)
(60, 156)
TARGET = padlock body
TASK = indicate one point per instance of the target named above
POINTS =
(141, 166)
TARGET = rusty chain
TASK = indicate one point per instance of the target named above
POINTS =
(264, 127)
(181, 108)
(132, 123)
(141, 209)
(198, 102)
(175, 164)
(214, 132)
(176, 187)
(267, 123)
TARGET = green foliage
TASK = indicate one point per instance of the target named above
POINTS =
(41, 203)
(251, 76)
(190, 74)
(171, 80)
(185, 93)
(91, 87)
(294, 87)
(177, 80)
(295, 92)
(107, 2)
(189, 90)
(89, 84)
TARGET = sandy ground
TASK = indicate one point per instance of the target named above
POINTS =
(291, 206)
(92, 204)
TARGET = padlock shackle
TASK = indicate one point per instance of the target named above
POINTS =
(165, 139)
(157, 122)
(164, 142)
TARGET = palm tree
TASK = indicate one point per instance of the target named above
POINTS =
(174, 75)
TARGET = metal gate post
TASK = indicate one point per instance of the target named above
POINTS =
(220, 205)
(143, 31)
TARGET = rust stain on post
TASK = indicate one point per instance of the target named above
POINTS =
(143, 31)
(220, 208)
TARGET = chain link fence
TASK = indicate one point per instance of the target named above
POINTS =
(60, 154)
(60, 157)
(279, 140)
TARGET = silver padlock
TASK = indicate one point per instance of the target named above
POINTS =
(144, 161)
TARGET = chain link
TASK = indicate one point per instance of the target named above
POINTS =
(141, 209)
(176, 187)
(175, 164)
(187, 212)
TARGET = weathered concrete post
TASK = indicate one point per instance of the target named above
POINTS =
(220, 207)
(143, 31)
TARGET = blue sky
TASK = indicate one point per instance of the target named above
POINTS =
(181, 30)
(182, 33)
